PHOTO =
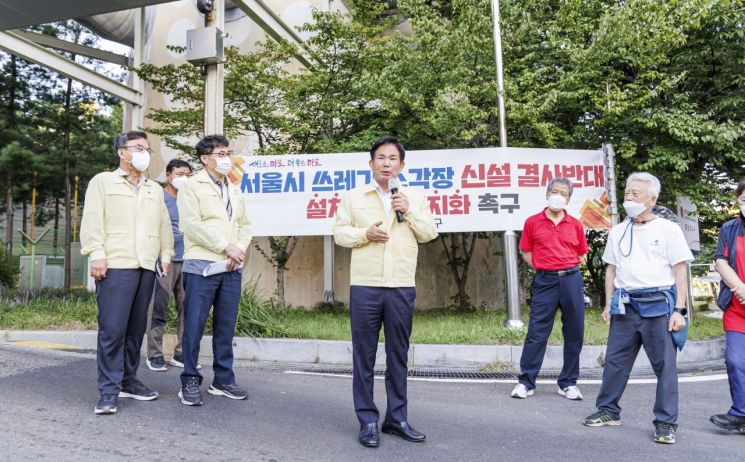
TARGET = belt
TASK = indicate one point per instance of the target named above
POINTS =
(560, 273)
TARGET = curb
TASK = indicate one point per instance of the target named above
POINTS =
(339, 352)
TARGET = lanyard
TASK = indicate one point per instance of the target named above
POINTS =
(631, 240)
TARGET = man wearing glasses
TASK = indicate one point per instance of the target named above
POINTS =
(216, 230)
(124, 230)
(177, 172)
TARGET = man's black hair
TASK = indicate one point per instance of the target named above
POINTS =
(122, 139)
(177, 163)
(208, 144)
(388, 140)
(740, 188)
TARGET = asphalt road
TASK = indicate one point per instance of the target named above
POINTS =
(47, 398)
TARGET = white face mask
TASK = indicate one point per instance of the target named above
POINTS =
(634, 209)
(140, 160)
(178, 181)
(223, 165)
(742, 210)
(556, 202)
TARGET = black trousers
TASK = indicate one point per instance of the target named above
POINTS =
(369, 308)
(123, 298)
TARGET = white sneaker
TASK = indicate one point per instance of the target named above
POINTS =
(571, 392)
(178, 361)
(521, 391)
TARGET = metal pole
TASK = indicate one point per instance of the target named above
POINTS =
(610, 156)
(514, 320)
(137, 115)
(33, 243)
(500, 73)
(690, 293)
(75, 212)
(33, 208)
(328, 269)
(214, 76)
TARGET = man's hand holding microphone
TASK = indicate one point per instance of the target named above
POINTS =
(399, 203)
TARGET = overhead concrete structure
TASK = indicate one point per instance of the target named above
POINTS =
(20, 46)
(49, 41)
(22, 13)
(18, 14)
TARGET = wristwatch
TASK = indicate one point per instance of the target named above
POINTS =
(683, 311)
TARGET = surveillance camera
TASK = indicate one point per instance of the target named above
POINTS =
(205, 6)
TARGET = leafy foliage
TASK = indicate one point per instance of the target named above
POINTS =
(662, 81)
(256, 315)
(52, 130)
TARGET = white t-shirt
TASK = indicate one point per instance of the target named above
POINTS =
(657, 246)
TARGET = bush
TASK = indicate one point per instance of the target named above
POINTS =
(7, 272)
(256, 314)
(330, 307)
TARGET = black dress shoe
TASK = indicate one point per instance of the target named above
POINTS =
(729, 422)
(404, 430)
(369, 435)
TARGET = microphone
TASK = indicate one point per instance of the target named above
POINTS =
(393, 185)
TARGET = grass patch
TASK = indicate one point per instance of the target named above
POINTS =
(449, 327)
(260, 317)
(48, 309)
(256, 315)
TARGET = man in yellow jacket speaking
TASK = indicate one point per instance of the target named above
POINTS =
(125, 228)
(216, 233)
(383, 225)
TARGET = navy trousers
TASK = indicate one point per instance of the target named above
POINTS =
(735, 359)
(123, 297)
(628, 332)
(550, 292)
(223, 292)
(369, 307)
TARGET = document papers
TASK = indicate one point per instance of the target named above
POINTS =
(217, 268)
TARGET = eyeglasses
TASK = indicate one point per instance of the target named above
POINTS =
(223, 154)
(139, 148)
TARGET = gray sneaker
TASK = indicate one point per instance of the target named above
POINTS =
(178, 361)
(189, 393)
(231, 391)
(137, 390)
(106, 404)
(600, 419)
(156, 364)
(664, 433)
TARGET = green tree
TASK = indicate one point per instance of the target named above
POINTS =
(254, 89)
(662, 81)
(59, 123)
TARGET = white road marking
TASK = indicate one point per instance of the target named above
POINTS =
(686, 379)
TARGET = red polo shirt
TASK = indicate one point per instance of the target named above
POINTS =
(554, 247)
(734, 317)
